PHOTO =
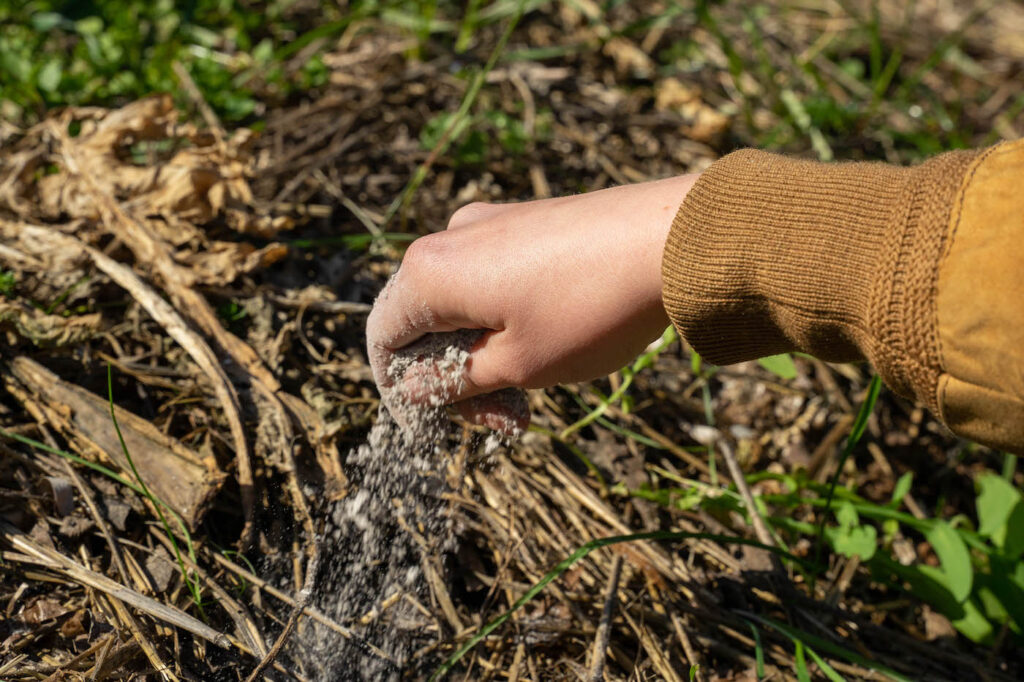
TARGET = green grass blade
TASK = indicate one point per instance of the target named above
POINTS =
(192, 583)
(827, 646)
(353, 242)
(780, 365)
(800, 662)
(826, 669)
(758, 651)
(621, 430)
(580, 553)
(141, 490)
(109, 473)
(642, 362)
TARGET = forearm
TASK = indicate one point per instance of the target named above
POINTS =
(862, 260)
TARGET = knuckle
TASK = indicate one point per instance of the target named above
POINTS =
(469, 213)
(423, 254)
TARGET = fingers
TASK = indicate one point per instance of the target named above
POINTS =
(492, 362)
(433, 372)
(412, 303)
(433, 369)
(506, 411)
(429, 293)
(445, 284)
(421, 377)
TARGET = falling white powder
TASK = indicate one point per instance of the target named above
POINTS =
(370, 555)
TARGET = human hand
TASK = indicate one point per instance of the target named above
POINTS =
(566, 289)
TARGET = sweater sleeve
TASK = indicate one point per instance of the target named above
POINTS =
(918, 270)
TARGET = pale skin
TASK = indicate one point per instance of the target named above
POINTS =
(567, 289)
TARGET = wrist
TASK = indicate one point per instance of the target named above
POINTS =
(665, 205)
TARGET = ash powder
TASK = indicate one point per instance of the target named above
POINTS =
(380, 537)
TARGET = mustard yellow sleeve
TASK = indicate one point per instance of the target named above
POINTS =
(918, 270)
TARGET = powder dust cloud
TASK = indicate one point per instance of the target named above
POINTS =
(384, 542)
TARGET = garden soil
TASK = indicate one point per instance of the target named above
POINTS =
(225, 277)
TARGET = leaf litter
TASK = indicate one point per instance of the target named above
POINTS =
(123, 232)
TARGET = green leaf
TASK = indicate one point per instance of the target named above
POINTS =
(827, 645)
(7, 281)
(861, 422)
(1001, 513)
(859, 541)
(973, 624)
(1002, 592)
(695, 362)
(49, 76)
(954, 557)
(996, 500)
(433, 130)
(889, 529)
(846, 515)
(1000, 598)
(89, 26)
(901, 489)
(781, 365)
(758, 651)
(851, 538)
(46, 21)
(1013, 545)
(16, 65)
(991, 606)
(263, 52)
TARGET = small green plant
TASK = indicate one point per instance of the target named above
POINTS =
(7, 282)
(456, 122)
(704, 371)
(471, 137)
(138, 486)
(978, 577)
(64, 295)
(241, 584)
(978, 582)
(106, 52)
(859, 424)
(852, 539)
(231, 312)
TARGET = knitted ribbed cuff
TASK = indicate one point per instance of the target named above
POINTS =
(769, 254)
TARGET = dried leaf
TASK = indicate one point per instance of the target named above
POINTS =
(223, 262)
(703, 122)
(40, 610)
(47, 330)
(144, 157)
(629, 59)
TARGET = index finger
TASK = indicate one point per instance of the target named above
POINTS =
(418, 299)
(399, 317)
